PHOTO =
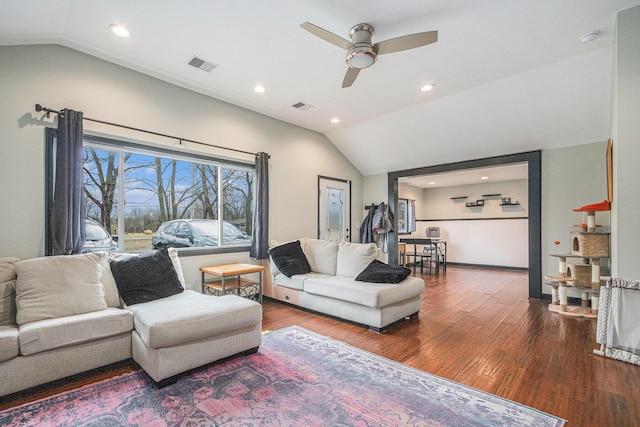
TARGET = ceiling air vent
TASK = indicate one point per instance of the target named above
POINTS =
(302, 106)
(202, 64)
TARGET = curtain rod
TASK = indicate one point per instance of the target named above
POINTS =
(181, 140)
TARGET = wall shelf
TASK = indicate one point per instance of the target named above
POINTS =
(510, 204)
(492, 195)
(459, 197)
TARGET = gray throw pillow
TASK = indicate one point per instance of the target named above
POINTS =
(379, 272)
(290, 259)
(146, 277)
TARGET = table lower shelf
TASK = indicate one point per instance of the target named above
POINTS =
(241, 287)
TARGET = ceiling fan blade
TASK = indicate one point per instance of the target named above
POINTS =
(350, 76)
(327, 36)
(409, 41)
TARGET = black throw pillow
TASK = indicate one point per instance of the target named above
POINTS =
(290, 259)
(379, 272)
(146, 277)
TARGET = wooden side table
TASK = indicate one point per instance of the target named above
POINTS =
(241, 287)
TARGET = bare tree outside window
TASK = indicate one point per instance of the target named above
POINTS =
(158, 189)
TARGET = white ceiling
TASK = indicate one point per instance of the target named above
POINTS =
(510, 172)
(511, 76)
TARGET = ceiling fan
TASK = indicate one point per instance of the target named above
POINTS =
(361, 53)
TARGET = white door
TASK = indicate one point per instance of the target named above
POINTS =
(334, 209)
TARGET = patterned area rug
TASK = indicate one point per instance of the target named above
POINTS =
(298, 378)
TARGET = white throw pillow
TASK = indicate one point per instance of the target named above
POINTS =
(322, 255)
(57, 286)
(173, 255)
(353, 258)
(8, 290)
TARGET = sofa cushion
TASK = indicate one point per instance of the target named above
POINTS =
(191, 316)
(375, 295)
(49, 334)
(146, 277)
(8, 290)
(297, 281)
(322, 255)
(354, 257)
(380, 272)
(290, 259)
(9, 346)
(58, 286)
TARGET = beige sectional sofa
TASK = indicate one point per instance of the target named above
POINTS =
(331, 286)
(63, 315)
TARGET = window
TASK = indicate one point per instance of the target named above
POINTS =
(149, 198)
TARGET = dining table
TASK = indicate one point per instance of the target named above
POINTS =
(440, 249)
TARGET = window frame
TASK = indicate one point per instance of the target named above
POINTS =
(121, 146)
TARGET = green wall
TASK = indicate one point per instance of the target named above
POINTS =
(58, 77)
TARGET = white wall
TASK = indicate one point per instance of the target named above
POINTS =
(483, 242)
(437, 202)
(625, 132)
(58, 77)
(413, 193)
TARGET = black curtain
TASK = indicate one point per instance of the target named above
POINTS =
(67, 220)
(260, 241)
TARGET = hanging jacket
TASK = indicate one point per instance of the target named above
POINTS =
(382, 225)
(382, 222)
(366, 230)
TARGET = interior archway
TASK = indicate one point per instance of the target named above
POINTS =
(533, 160)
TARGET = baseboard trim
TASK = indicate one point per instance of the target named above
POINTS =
(486, 266)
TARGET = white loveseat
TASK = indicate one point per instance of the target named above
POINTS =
(63, 315)
(331, 287)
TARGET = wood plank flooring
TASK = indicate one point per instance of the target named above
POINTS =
(477, 327)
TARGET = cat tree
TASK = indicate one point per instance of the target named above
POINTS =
(591, 246)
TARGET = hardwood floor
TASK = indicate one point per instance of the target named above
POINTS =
(478, 327)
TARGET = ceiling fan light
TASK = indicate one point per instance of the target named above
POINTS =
(361, 57)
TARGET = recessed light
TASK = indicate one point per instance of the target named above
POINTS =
(119, 30)
(589, 37)
(427, 87)
(432, 183)
(335, 120)
(259, 88)
(484, 177)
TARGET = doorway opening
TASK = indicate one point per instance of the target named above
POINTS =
(533, 161)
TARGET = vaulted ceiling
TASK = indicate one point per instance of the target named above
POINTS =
(510, 76)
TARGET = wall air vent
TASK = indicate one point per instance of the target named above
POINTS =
(302, 106)
(202, 64)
